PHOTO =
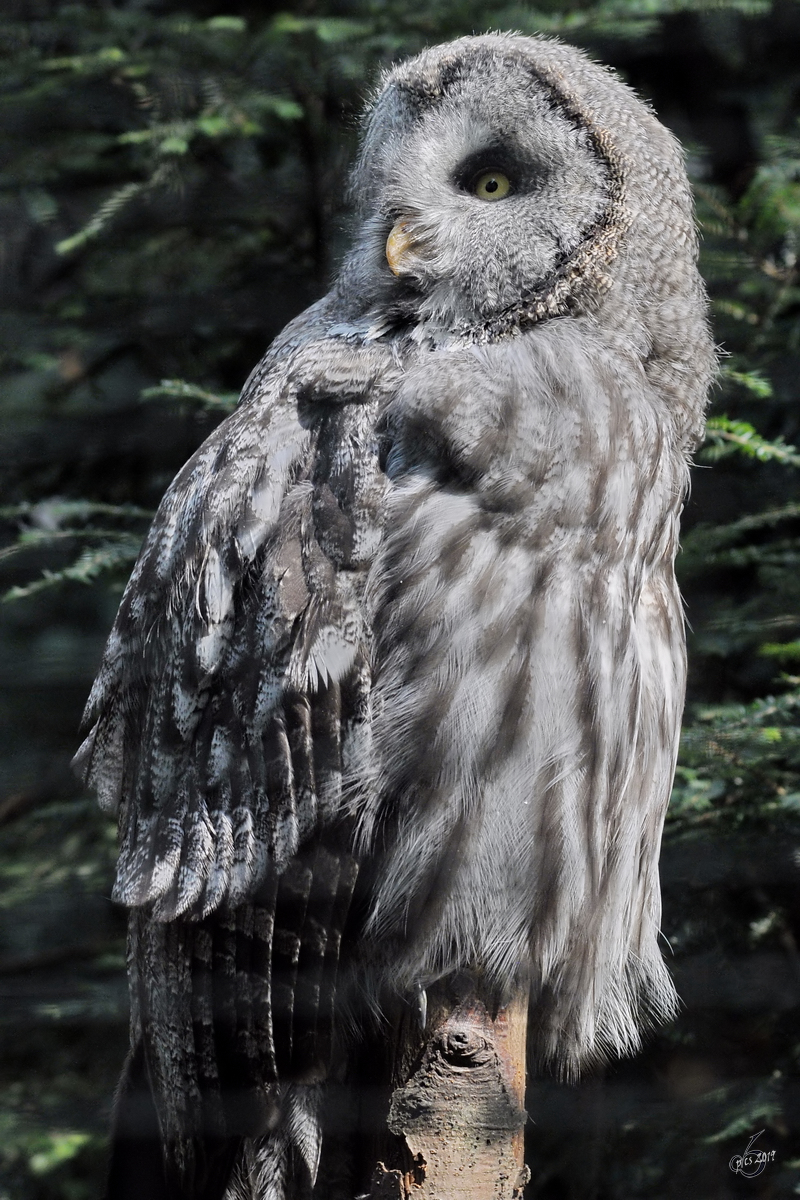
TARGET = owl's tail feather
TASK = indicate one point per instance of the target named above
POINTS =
(283, 1164)
(316, 979)
(232, 1019)
(136, 1165)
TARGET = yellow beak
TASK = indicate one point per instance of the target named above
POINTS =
(398, 247)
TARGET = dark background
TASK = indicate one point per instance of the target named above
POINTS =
(172, 191)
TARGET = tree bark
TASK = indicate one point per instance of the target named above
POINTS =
(457, 1117)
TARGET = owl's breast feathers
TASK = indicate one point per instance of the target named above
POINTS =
(529, 676)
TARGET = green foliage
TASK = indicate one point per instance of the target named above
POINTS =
(724, 436)
(172, 191)
(181, 390)
(62, 1032)
(740, 767)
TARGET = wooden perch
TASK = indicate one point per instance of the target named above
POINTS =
(457, 1110)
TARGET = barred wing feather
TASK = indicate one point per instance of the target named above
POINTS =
(216, 716)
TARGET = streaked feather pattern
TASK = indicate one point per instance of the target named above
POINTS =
(397, 680)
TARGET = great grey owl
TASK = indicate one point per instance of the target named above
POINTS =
(396, 685)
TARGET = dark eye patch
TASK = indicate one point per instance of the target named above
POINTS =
(523, 175)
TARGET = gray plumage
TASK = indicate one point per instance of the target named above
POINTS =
(409, 616)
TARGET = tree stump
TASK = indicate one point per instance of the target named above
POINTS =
(457, 1113)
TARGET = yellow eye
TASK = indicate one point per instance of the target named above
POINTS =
(492, 185)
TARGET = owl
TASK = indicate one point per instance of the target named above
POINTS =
(394, 691)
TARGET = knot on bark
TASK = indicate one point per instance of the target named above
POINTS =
(465, 1048)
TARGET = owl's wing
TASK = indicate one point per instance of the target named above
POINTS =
(237, 665)
(233, 696)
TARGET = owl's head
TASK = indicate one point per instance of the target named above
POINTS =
(504, 180)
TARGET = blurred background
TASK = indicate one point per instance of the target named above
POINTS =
(172, 191)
